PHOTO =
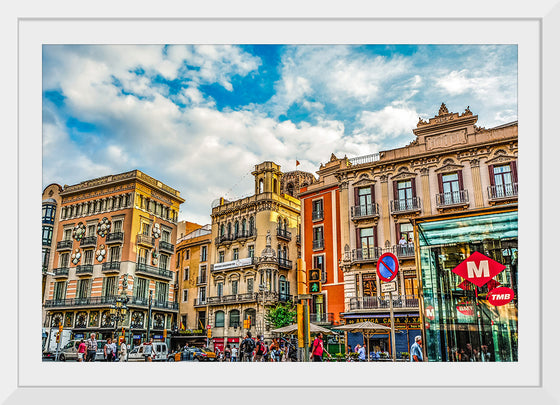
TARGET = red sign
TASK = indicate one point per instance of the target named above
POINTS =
(492, 284)
(430, 313)
(465, 285)
(465, 308)
(387, 266)
(500, 296)
(478, 269)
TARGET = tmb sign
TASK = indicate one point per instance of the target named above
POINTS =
(478, 269)
(500, 296)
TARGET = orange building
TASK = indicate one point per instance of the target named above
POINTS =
(321, 244)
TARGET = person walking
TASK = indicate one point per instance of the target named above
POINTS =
(362, 353)
(234, 354)
(82, 349)
(91, 345)
(261, 349)
(148, 350)
(416, 350)
(227, 353)
(115, 350)
(123, 352)
(318, 348)
(108, 350)
(248, 345)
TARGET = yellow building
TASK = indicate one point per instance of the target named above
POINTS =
(115, 236)
(253, 258)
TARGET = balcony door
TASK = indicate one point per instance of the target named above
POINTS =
(405, 194)
(366, 243)
(364, 200)
(503, 177)
(450, 185)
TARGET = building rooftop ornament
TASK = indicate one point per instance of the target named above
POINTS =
(268, 254)
(442, 110)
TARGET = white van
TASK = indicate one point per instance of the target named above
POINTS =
(70, 351)
(159, 352)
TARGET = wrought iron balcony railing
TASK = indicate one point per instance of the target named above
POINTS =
(199, 302)
(405, 205)
(145, 302)
(399, 301)
(111, 267)
(114, 237)
(145, 240)
(364, 211)
(84, 269)
(86, 301)
(64, 245)
(284, 234)
(61, 272)
(366, 254)
(452, 198)
(285, 263)
(318, 244)
(201, 280)
(166, 246)
(405, 250)
(317, 215)
(88, 241)
(502, 191)
(153, 271)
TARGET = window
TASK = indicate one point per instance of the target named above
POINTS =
(221, 257)
(185, 295)
(250, 284)
(369, 285)
(203, 253)
(229, 229)
(145, 229)
(366, 243)
(183, 324)
(251, 226)
(404, 193)
(244, 227)
(46, 256)
(59, 290)
(220, 289)
(117, 226)
(236, 229)
(163, 262)
(450, 186)
(83, 288)
(186, 273)
(88, 256)
(162, 291)
(141, 286)
(411, 287)
(235, 254)
(317, 209)
(68, 234)
(109, 287)
(64, 260)
(143, 256)
(363, 197)
(406, 230)
(234, 318)
(234, 287)
(223, 230)
(48, 214)
(91, 230)
(165, 236)
(201, 319)
(47, 235)
(178, 262)
(251, 251)
(319, 263)
(202, 274)
(202, 294)
(318, 242)
(503, 179)
(219, 319)
(115, 254)
(261, 185)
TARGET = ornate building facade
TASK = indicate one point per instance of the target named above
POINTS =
(49, 220)
(253, 258)
(115, 238)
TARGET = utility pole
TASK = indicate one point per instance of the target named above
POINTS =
(149, 315)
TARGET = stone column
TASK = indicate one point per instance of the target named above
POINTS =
(477, 183)
(426, 198)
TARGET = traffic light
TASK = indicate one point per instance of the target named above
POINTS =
(57, 337)
(314, 281)
(165, 333)
(60, 327)
(209, 335)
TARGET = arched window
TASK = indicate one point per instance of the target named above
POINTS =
(285, 224)
(229, 229)
(244, 227)
(234, 318)
(279, 224)
(222, 230)
(251, 226)
(219, 319)
(236, 229)
(290, 189)
(261, 186)
(275, 189)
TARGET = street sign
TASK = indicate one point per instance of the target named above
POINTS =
(387, 266)
(478, 269)
(389, 287)
(208, 327)
(430, 313)
(466, 308)
(500, 296)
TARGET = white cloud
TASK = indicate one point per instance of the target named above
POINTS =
(389, 122)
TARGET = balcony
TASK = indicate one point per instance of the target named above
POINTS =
(145, 302)
(201, 280)
(364, 211)
(502, 192)
(88, 241)
(325, 318)
(145, 240)
(405, 250)
(285, 263)
(114, 237)
(318, 244)
(317, 215)
(246, 234)
(405, 205)
(269, 296)
(111, 267)
(369, 254)
(86, 301)
(399, 302)
(61, 272)
(166, 247)
(200, 302)
(152, 271)
(284, 234)
(452, 199)
(64, 245)
(84, 270)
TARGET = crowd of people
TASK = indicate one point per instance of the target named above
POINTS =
(258, 350)
(88, 349)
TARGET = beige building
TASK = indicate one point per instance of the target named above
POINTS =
(253, 258)
(115, 236)
(51, 206)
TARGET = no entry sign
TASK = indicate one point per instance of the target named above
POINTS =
(387, 266)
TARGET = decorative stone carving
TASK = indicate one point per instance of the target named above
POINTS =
(475, 163)
(443, 110)
(103, 227)
(81, 320)
(76, 256)
(100, 253)
(94, 318)
(155, 257)
(79, 231)
(156, 231)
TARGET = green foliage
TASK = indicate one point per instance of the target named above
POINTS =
(281, 315)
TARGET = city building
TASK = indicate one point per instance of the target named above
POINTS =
(449, 193)
(115, 239)
(321, 241)
(51, 204)
(253, 258)
(193, 267)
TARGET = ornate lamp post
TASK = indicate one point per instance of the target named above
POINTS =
(119, 309)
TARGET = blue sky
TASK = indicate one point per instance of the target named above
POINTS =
(199, 118)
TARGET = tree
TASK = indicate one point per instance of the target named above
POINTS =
(281, 315)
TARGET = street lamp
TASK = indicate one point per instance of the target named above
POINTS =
(262, 289)
(118, 312)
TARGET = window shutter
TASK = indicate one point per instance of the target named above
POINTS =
(395, 191)
(440, 182)
(104, 287)
(372, 194)
(514, 171)
(491, 174)
(358, 240)
(356, 197)
(460, 178)
(413, 183)
(397, 231)
(375, 241)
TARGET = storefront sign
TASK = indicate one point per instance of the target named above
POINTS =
(430, 313)
(478, 269)
(234, 263)
(500, 296)
(387, 266)
(465, 308)
(389, 287)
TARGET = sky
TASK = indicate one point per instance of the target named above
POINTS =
(200, 117)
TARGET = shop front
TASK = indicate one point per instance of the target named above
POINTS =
(469, 286)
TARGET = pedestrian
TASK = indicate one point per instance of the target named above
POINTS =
(403, 240)
(227, 353)
(234, 354)
(248, 345)
(91, 345)
(123, 353)
(108, 350)
(148, 350)
(115, 351)
(318, 348)
(273, 348)
(82, 350)
(362, 353)
(485, 355)
(260, 349)
(416, 350)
